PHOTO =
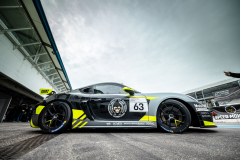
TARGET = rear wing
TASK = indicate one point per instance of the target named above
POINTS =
(44, 91)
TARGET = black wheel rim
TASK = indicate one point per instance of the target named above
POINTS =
(55, 115)
(172, 115)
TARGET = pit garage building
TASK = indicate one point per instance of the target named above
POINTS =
(29, 57)
(226, 92)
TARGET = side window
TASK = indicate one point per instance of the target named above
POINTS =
(86, 90)
(108, 89)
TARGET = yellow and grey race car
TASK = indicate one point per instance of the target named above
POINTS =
(114, 105)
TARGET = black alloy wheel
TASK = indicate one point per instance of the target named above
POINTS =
(55, 117)
(173, 116)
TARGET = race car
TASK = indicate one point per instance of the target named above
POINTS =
(114, 105)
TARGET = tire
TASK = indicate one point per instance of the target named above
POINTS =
(173, 116)
(55, 117)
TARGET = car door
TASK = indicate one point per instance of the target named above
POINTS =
(110, 103)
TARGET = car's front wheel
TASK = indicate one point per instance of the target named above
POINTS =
(55, 117)
(173, 116)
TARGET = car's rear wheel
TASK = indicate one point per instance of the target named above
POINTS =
(173, 116)
(55, 117)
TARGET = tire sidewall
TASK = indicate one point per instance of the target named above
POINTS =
(187, 120)
(67, 119)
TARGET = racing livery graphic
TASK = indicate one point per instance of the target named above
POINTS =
(114, 105)
(117, 107)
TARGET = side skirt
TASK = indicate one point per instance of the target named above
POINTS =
(76, 123)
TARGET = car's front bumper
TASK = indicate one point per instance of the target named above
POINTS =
(35, 115)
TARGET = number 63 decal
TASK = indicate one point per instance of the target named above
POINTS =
(139, 106)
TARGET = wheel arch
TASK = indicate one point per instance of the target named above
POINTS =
(194, 117)
(55, 100)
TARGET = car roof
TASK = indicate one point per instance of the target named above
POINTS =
(103, 83)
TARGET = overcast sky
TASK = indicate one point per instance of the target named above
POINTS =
(149, 45)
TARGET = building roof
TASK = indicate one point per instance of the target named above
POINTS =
(26, 26)
(220, 83)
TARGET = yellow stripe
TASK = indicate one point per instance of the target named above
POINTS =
(152, 118)
(32, 125)
(82, 125)
(77, 125)
(144, 118)
(77, 113)
(148, 118)
(149, 98)
(74, 122)
(39, 109)
(208, 123)
(84, 116)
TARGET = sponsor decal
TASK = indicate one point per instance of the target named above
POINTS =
(108, 124)
(227, 112)
(150, 123)
(135, 123)
(117, 108)
(45, 91)
(164, 128)
(117, 124)
(232, 116)
(58, 127)
(206, 115)
(205, 112)
(230, 109)
(200, 107)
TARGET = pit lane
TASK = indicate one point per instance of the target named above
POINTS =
(195, 143)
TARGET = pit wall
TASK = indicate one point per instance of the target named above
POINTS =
(13, 65)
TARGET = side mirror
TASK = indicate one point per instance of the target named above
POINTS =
(129, 90)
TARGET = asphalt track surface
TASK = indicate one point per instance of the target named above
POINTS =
(195, 143)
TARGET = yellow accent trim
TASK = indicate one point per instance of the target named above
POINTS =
(148, 118)
(144, 118)
(172, 131)
(32, 125)
(137, 96)
(82, 125)
(84, 116)
(150, 98)
(49, 123)
(152, 118)
(77, 113)
(39, 109)
(77, 124)
(208, 123)
(74, 122)
(178, 121)
(126, 88)
(45, 91)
